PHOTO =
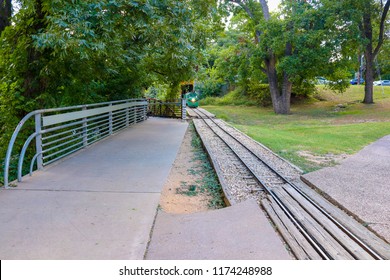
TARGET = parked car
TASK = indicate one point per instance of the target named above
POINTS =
(322, 81)
(355, 81)
(382, 83)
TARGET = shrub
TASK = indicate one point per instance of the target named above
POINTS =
(235, 97)
(210, 88)
(260, 94)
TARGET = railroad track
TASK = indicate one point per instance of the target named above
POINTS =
(311, 231)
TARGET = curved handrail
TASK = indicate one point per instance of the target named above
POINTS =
(32, 163)
(20, 125)
(21, 157)
(12, 142)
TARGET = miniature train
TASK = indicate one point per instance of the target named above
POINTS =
(192, 99)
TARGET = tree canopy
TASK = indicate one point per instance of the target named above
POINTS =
(291, 48)
(58, 53)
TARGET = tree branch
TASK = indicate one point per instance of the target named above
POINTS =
(5, 13)
(265, 9)
(382, 28)
(245, 7)
(158, 72)
(262, 69)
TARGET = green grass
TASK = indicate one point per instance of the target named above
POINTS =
(321, 128)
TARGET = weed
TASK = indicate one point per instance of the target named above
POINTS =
(209, 181)
(190, 191)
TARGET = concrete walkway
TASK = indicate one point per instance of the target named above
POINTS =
(361, 184)
(98, 204)
(238, 232)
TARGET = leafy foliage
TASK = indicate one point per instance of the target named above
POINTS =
(60, 53)
(288, 50)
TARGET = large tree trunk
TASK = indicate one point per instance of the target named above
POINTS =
(370, 53)
(369, 77)
(280, 93)
(5, 13)
(280, 96)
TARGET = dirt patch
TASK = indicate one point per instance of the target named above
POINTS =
(322, 160)
(183, 192)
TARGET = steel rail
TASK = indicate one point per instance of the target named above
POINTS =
(324, 212)
(316, 245)
(355, 238)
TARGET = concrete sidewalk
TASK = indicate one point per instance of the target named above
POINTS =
(361, 184)
(238, 232)
(98, 204)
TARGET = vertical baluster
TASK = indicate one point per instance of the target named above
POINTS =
(38, 141)
(85, 131)
(110, 126)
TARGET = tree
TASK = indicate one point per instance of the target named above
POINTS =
(292, 45)
(366, 22)
(5, 13)
(258, 13)
(383, 59)
(231, 62)
(180, 30)
(370, 49)
(61, 53)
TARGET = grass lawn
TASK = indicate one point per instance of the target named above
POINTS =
(316, 133)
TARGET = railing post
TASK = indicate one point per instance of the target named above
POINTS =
(135, 114)
(183, 109)
(38, 141)
(85, 127)
(110, 126)
(145, 106)
(127, 115)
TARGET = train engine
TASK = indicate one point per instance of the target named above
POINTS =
(192, 99)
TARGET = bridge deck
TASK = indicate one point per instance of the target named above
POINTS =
(98, 204)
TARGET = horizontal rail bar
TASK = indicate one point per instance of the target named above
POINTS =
(56, 119)
(62, 139)
(81, 125)
(62, 156)
(62, 144)
(60, 151)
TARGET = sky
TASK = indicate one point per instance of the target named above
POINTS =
(273, 4)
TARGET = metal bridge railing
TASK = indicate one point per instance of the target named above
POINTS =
(62, 131)
(167, 109)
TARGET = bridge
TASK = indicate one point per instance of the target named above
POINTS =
(94, 195)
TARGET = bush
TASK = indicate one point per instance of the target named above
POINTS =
(255, 95)
(235, 97)
(260, 94)
(210, 88)
(303, 89)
